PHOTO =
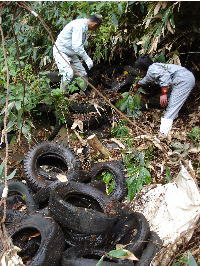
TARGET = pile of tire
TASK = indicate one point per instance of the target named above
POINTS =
(84, 111)
(73, 222)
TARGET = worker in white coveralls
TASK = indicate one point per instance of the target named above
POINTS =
(70, 43)
(176, 83)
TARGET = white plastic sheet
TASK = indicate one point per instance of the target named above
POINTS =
(172, 209)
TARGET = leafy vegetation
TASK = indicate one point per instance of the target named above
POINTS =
(194, 135)
(136, 162)
(138, 27)
(10, 176)
(108, 179)
(186, 260)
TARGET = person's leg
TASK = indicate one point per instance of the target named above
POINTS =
(63, 63)
(179, 94)
(78, 69)
(183, 84)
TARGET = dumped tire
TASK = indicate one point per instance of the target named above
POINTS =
(11, 215)
(153, 246)
(116, 168)
(82, 256)
(88, 114)
(90, 121)
(44, 240)
(73, 239)
(81, 108)
(19, 192)
(42, 196)
(53, 76)
(85, 108)
(57, 127)
(82, 208)
(64, 157)
(125, 230)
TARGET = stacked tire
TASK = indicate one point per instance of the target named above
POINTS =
(74, 222)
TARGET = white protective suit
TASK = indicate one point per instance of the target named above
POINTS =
(179, 80)
(70, 43)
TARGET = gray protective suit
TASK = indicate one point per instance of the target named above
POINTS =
(70, 43)
(179, 79)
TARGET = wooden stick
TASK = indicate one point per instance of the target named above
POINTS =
(94, 142)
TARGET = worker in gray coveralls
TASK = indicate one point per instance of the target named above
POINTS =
(70, 43)
(176, 83)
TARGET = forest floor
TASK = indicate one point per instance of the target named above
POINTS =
(179, 141)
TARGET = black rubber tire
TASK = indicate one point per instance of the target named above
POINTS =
(42, 196)
(52, 76)
(77, 256)
(73, 238)
(21, 189)
(11, 215)
(84, 108)
(124, 229)
(52, 239)
(57, 127)
(118, 171)
(153, 246)
(81, 108)
(94, 122)
(66, 156)
(50, 160)
(82, 219)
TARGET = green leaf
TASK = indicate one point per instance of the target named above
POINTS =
(18, 105)
(114, 20)
(168, 175)
(2, 165)
(120, 253)
(120, 9)
(99, 263)
(191, 260)
(10, 176)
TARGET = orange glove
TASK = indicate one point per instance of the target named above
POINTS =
(163, 97)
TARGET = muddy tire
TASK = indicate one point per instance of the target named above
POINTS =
(93, 122)
(34, 157)
(11, 215)
(48, 250)
(42, 196)
(116, 168)
(57, 127)
(82, 256)
(82, 208)
(125, 229)
(81, 108)
(92, 119)
(153, 246)
(85, 108)
(18, 191)
(73, 239)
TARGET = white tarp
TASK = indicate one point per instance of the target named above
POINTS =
(171, 209)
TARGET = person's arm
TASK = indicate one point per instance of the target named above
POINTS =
(146, 80)
(77, 45)
(149, 78)
(164, 80)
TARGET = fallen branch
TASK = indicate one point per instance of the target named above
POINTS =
(94, 142)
